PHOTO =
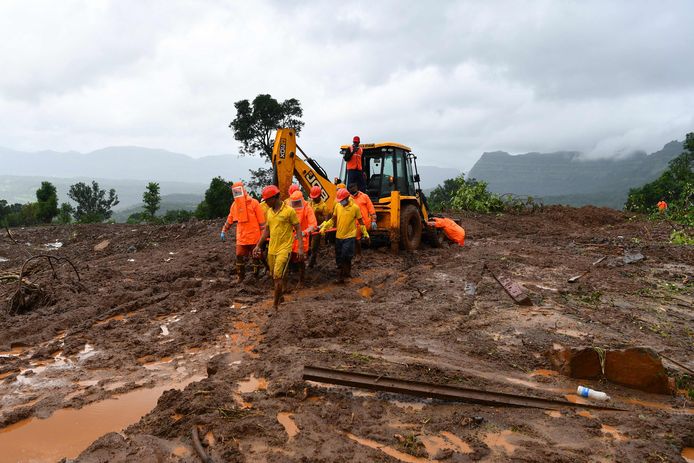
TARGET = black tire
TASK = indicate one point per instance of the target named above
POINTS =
(410, 227)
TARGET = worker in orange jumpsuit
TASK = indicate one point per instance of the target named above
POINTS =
(292, 188)
(453, 231)
(368, 213)
(320, 210)
(308, 223)
(355, 171)
(249, 217)
(662, 206)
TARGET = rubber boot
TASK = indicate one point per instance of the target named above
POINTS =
(340, 274)
(302, 274)
(348, 269)
(256, 269)
(240, 271)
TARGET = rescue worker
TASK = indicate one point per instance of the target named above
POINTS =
(368, 213)
(250, 219)
(281, 219)
(662, 206)
(355, 172)
(307, 221)
(320, 210)
(346, 217)
(292, 188)
(453, 231)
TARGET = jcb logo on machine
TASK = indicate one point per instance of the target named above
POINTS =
(313, 181)
(283, 148)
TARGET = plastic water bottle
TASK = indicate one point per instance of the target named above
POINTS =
(591, 393)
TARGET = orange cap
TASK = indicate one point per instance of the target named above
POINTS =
(341, 185)
(315, 192)
(237, 184)
(293, 187)
(296, 195)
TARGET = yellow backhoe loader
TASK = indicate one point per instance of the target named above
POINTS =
(392, 184)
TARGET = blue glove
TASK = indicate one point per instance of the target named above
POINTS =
(223, 236)
(373, 225)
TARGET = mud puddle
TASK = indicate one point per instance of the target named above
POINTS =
(68, 431)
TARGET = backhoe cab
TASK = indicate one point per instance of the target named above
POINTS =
(392, 183)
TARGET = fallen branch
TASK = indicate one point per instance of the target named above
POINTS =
(9, 234)
(18, 300)
(198, 446)
(677, 363)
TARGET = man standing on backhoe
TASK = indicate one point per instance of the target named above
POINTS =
(281, 220)
(250, 219)
(320, 210)
(355, 172)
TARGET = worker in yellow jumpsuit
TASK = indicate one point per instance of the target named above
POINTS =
(281, 220)
(346, 217)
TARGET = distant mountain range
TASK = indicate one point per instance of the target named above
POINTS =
(129, 168)
(566, 177)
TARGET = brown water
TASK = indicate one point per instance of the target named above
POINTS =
(501, 441)
(437, 444)
(68, 432)
(366, 292)
(614, 432)
(688, 454)
(660, 406)
(287, 421)
(390, 451)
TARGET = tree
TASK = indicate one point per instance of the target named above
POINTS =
(440, 197)
(260, 178)
(92, 204)
(47, 202)
(65, 213)
(675, 185)
(218, 198)
(151, 198)
(177, 216)
(256, 122)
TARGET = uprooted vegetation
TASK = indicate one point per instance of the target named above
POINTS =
(159, 311)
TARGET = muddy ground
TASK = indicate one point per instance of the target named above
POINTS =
(158, 319)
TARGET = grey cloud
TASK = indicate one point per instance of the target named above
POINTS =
(450, 78)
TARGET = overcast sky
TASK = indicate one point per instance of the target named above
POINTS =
(452, 79)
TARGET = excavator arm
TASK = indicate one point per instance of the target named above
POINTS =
(287, 165)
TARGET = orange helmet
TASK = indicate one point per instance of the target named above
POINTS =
(315, 192)
(341, 185)
(270, 191)
(356, 139)
(292, 188)
(342, 194)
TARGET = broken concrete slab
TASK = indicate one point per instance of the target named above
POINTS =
(511, 287)
(637, 367)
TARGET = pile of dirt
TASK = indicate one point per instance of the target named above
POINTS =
(160, 310)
